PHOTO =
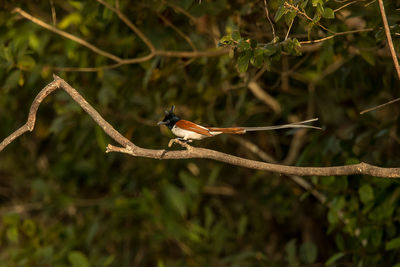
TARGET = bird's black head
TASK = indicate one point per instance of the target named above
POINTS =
(170, 118)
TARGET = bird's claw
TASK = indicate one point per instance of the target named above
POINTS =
(181, 142)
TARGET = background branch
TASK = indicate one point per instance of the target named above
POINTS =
(120, 61)
(389, 38)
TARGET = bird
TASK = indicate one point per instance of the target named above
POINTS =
(188, 131)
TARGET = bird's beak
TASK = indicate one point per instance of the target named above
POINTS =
(162, 123)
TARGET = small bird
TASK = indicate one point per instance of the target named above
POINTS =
(188, 131)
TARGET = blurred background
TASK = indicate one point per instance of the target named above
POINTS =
(64, 202)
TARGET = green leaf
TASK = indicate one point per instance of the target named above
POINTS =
(243, 60)
(352, 161)
(12, 234)
(109, 260)
(34, 41)
(315, 2)
(366, 193)
(269, 50)
(29, 227)
(176, 199)
(368, 56)
(282, 10)
(11, 219)
(292, 47)
(26, 62)
(226, 40)
(376, 237)
(192, 185)
(328, 13)
(291, 251)
(334, 258)
(242, 225)
(258, 58)
(308, 252)
(243, 44)
(78, 259)
(303, 4)
(236, 36)
(12, 80)
(100, 138)
(393, 244)
(70, 19)
(289, 17)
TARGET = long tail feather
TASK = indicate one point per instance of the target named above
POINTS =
(232, 130)
(290, 125)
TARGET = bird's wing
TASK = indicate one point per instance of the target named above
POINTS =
(188, 125)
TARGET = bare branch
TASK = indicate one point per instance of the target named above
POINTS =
(120, 61)
(130, 148)
(392, 52)
(264, 156)
(389, 38)
(53, 13)
(129, 24)
(178, 31)
(346, 5)
(334, 35)
(270, 21)
(258, 92)
(66, 35)
(380, 106)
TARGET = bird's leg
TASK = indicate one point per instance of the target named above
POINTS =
(181, 142)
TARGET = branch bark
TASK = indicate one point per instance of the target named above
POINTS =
(190, 152)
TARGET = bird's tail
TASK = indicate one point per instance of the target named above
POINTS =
(232, 130)
(299, 124)
(242, 130)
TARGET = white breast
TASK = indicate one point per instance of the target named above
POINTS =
(187, 135)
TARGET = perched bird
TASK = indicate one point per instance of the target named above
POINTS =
(188, 131)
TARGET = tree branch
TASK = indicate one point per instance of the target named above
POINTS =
(389, 38)
(119, 61)
(130, 148)
(66, 35)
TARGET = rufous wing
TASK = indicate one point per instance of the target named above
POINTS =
(188, 125)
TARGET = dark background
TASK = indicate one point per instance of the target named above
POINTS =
(64, 202)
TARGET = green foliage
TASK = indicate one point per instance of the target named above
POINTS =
(64, 202)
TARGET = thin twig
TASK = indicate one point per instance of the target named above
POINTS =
(389, 38)
(392, 52)
(290, 27)
(336, 34)
(380, 106)
(258, 92)
(66, 35)
(53, 13)
(130, 25)
(130, 148)
(178, 31)
(346, 5)
(304, 14)
(264, 156)
(120, 61)
(270, 21)
(178, 9)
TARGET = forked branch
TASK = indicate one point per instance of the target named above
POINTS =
(130, 148)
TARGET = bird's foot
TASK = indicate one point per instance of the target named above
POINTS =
(180, 141)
